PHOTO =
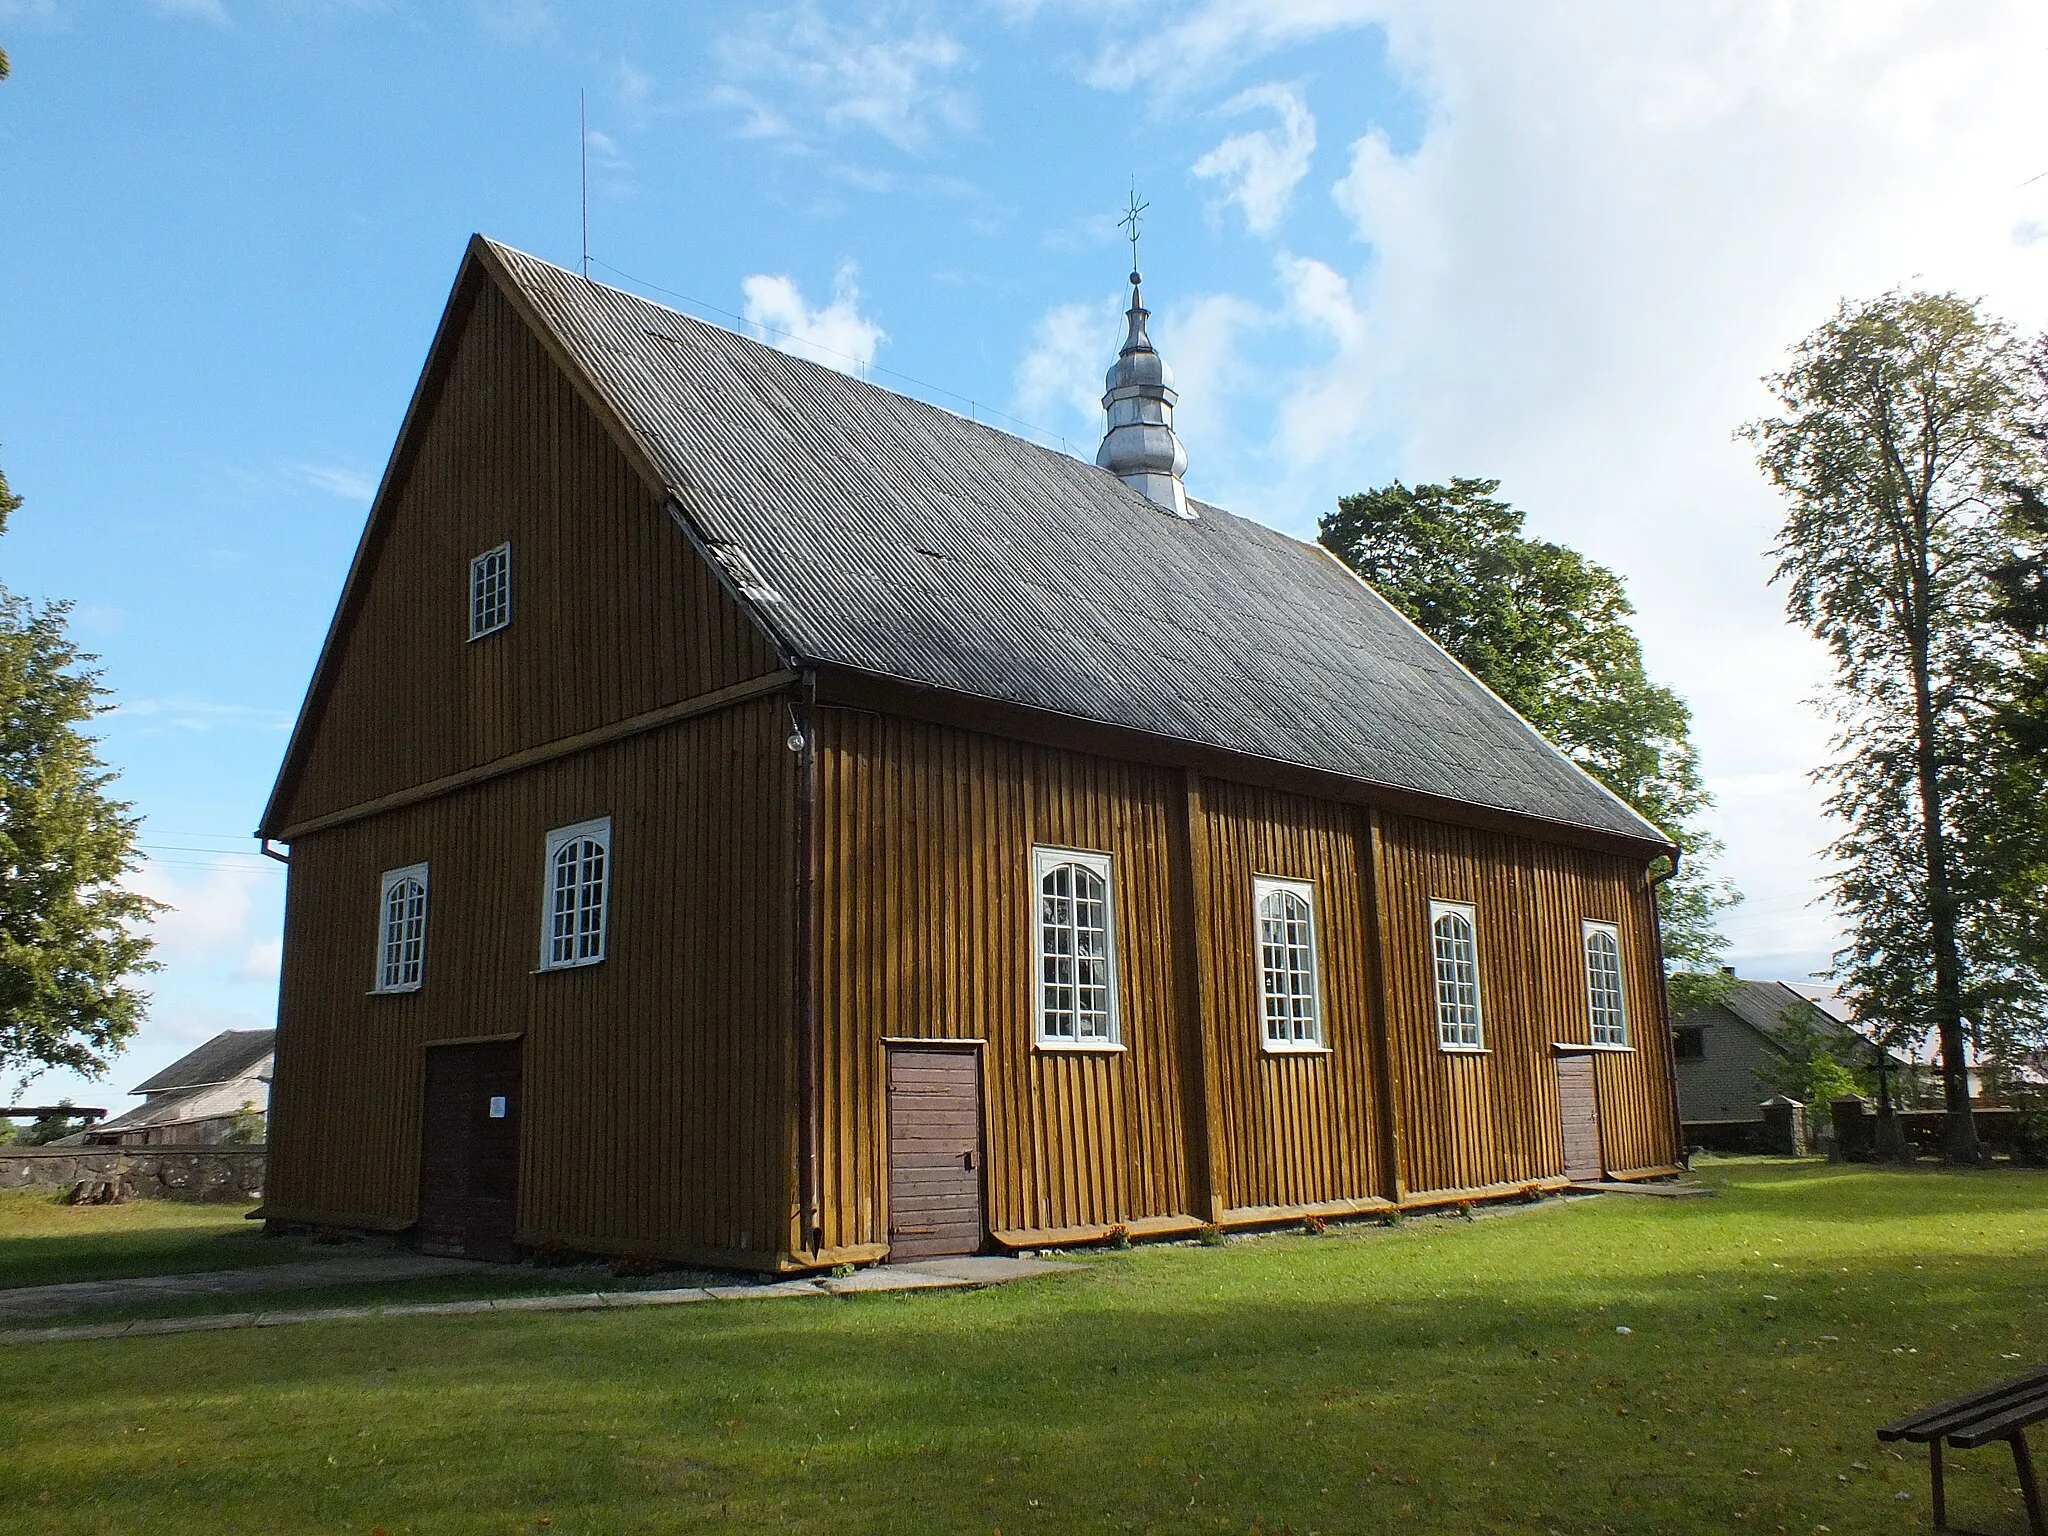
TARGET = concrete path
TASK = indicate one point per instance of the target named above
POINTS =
(1673, 1190)
(930, 1274)
(28, 1301)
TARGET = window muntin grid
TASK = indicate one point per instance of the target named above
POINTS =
(490, 591)
(402, 929)
(578, 885)
(1289, 998)
(1454, 950)
(1603, 984)
(1076, 949)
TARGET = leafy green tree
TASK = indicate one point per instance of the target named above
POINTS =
(1818, 1064)
(1548, 630)
(71, 936)
(1901, 433)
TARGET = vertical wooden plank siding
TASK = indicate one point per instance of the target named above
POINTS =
(613, 613)
(925, 914)
(1298, 1129)
(925, 933)
(659, 1084)
(1469, 1121)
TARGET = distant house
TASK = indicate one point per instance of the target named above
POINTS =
(198, 1100)
(1721, 1047)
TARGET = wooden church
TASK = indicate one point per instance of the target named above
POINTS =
(744, 815)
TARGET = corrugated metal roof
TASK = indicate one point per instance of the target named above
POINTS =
(231, 1054)
(892, 537)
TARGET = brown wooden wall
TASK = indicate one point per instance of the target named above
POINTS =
(613, 613)
(1292, 1130)
(659, 1084)
(925, 931)
(926, 906)
(1468, 1121)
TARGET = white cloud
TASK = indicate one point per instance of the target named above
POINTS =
(262, 961)
(1617, 217)
(796, 73)
(1260, 169)
(186, 714)
(1059, 382)
(335, 480)
(211, 11)
(516, 21)
(211, 917)
(837, 334)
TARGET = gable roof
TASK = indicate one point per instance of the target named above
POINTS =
(231, 1054)
(1764, 1006)
(875, 533)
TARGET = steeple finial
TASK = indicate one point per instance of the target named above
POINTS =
(1141, 448)
(1130, 222)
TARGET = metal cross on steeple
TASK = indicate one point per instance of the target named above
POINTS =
(1130, 221)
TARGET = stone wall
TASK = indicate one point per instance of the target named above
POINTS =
(154, 1173)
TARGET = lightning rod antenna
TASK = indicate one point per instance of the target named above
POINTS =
(583, 144)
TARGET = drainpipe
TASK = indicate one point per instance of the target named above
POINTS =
(1670, 1050)
(803, 741)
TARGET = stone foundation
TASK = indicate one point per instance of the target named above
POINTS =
(153, 1173)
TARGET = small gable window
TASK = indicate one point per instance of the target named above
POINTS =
(402, 929)
(490, 591)
(1076, 950)
(1287, 965)
(1603, 984)
(578, 888)
(1689, 1043)
(1454, 951)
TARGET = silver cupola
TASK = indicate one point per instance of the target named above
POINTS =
(1141, 448)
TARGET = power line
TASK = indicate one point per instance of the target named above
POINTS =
(974, 406)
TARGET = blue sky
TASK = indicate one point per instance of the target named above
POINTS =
(1556, 244)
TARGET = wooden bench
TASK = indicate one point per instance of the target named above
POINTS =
(2003, 1413)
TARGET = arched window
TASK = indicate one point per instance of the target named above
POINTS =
(402, 925)
(578, 885)
(1076, 949)
(1603, 984)
(1287, 964)
(1454, 948)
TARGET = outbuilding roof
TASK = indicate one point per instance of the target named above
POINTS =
(229, 1056)
(876, 533)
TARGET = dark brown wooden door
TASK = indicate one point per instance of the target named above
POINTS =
(1579, 1102)
(469, 1150)
(934, 1152)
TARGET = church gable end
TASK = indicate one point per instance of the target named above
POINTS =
(520, 582)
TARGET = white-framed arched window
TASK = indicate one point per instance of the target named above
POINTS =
(402, 929)
(1075, 949)
(1454, 953)
(578, 885)
(1604, 1003)
(1289, 992)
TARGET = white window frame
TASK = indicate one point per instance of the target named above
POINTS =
(1612, 1035)
(1044, 861)
(1452, 1026)
(1266, 888)
(490, 610)
(599, 831)
(392, 975)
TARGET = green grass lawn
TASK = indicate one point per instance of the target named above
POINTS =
(45, 1243)
(1444, 1376)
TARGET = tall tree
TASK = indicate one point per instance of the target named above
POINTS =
(71, 935)
(1548, 630)
(1900, 435)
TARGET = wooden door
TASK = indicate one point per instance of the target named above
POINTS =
(1579, 1102)
(934, 1152)
(469, 1150)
